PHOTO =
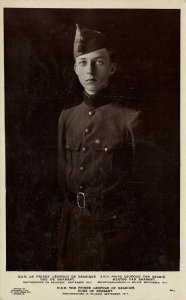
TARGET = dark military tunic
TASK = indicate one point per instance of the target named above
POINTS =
(100, 226)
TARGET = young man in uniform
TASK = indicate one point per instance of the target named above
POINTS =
(101, 226)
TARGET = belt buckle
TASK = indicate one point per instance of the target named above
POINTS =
(80, 198)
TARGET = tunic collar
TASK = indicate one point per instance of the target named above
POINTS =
(103, 97)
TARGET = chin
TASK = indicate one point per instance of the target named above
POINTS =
(90, 92)
(94, 91)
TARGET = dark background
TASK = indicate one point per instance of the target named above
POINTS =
(40, 82)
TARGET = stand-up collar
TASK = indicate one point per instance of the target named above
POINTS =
(103, 97)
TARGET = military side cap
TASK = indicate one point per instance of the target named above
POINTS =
(87, 40)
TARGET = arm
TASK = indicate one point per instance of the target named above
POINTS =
(61, 153)
(148, 188)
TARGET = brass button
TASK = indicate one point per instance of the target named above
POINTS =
(81, 168)
(113, 217)
(86, 130)
(106, 149)
(90, 112)
(97, 141)
(84, 149)
(67, 147)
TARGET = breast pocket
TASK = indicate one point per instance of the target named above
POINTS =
(105, 149)
(72, 150)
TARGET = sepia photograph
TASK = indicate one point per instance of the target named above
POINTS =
(92, 139)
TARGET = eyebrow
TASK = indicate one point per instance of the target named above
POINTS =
(97, 57)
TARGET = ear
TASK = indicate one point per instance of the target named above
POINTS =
(113, 68)
(75, 69)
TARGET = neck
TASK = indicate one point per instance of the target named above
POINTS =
(101, 98)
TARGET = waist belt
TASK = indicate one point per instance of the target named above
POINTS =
(81, 199)
(96, 200)
(86, 200)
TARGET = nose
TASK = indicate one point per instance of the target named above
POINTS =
(91, 68)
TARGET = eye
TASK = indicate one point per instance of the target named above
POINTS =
(82, 62)
(100, 62)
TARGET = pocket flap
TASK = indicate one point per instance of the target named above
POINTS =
(73, 144)
(108, 144)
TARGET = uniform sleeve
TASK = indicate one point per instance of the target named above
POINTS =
(148, 188)
(147, 156)
(61, 153)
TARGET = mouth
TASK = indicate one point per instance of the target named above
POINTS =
(89, 80)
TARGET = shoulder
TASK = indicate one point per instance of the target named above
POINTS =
(130, 116)
(68, 113)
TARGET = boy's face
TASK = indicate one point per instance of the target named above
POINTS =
(94, 70)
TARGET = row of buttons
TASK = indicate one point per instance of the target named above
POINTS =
(84, 149)
(90, 113)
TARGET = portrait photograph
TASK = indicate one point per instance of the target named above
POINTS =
(92, 139)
